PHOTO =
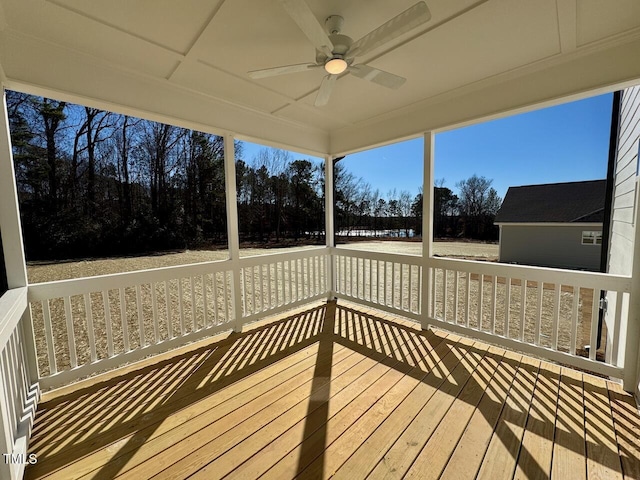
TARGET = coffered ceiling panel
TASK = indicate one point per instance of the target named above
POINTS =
(205, 49)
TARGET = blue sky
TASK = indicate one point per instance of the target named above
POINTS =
(564, 143)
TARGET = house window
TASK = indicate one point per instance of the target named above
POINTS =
(591, 238)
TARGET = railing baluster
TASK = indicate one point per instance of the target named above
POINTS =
(281, 290)
(434, 275)
(252, 279)
(393, 284)
(523, 308)
(71, 339)
(401, 265)
(369, 262)
(271, 303)
(494, 294)
(420, 299)
(445, 294)
(557, 288)
(616, 327)
(214, 301)
(244, 288)
(385, 294)
(410, 287)
(168, 304)
(309, 282)
(205, 303)
(124, 321)
(140, 316)
(456, 285)
(507, 306)
(296, 285)
(107, 322)
(194, 304)
(88, 311)
(181, 307)
(376, 280)
(290, 270)
(226, 291)
(538, 326)
(262, 275)
(154, 309)
(48, 331)
(595, 310)
(467, 304)
(357, 294)
(574, 320)
(480, 299)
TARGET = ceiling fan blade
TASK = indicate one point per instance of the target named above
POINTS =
(325, 90)
(407, 20)
(272, 72)
(300, 12)
(375, 75)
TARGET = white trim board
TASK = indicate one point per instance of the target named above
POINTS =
(548, 224)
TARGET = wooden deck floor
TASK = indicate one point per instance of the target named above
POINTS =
(335, 391)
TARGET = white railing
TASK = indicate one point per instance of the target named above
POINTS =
(390, 282)
(89, 324)
(548, 312)
(18, 394)
(272, 283)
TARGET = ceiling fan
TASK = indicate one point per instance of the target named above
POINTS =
(336, 52)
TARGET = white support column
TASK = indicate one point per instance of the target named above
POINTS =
(9, 213)
(631, 378)
(233, 236)
(427, 227)
(329, 222)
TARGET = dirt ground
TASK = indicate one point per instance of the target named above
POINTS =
(470, 250)
(51, 271)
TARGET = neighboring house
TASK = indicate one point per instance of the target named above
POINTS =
(553, 225)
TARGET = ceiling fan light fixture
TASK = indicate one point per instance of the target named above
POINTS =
(336, 66)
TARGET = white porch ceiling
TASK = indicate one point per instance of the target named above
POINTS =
(186, 62)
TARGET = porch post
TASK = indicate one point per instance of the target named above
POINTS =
(9, 213)
(631, 375)
(329, 224)
(233, 237)
(427, 229)
(11, 230)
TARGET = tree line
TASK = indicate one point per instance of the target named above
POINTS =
(96, 183)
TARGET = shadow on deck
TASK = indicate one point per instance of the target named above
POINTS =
(335, 390)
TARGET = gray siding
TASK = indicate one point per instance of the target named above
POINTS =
(621, 244)
(549, 246)
(622, 229)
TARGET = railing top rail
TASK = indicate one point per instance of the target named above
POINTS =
(603, 281)
(382, 256)
(279, 256)
(78, 286)
(12, 305)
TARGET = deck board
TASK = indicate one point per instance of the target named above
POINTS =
(338, 392)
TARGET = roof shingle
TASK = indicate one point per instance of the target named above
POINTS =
(568, 202)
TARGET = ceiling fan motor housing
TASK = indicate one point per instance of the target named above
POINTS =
(334, 24)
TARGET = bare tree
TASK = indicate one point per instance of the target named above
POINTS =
(478, 203)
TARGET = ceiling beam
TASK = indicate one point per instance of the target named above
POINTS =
(567, 24)
(581, 75)
(80, 78)
(189, 54)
